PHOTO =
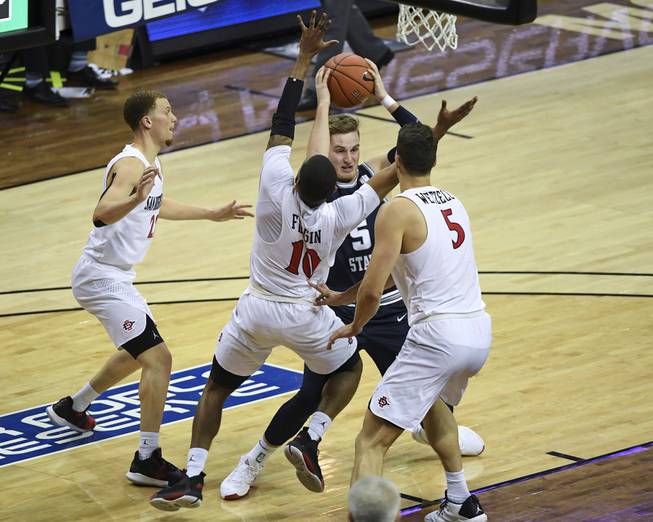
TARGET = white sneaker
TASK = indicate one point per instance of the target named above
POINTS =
(469, 511)
(238, 482)
(471, 443)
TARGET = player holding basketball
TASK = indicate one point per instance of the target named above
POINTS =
(423, 238)
(102, 281)
(297, 236)
(382, 337)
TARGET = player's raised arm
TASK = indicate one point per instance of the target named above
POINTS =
(127, 186)
(310, 43)
(401, 115)
(447, 118)
(319, 140)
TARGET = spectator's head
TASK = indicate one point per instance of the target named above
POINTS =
(344, 150)
(316, 180)
(374, 499)
(416, 149)
(150, 112)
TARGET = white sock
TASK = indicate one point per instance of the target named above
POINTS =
(148, 443)
(260, 452)
(320, 422)
(196, 461)
(84, 397)
(457, 490)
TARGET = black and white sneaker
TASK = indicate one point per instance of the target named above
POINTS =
(469, 511)
(62, 414)
(89, 77)
(187, 493)
(43, 93)
(302, 453)
(153, 471)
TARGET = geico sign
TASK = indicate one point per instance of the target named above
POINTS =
(133, 11)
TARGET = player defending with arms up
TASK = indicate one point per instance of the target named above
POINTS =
(423, 238)
(124, 223)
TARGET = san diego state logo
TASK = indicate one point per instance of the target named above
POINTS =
(128, 325)
(383, 401)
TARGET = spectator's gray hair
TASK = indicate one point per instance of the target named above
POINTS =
(374, 499)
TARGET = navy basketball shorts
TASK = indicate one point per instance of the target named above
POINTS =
(383, 337)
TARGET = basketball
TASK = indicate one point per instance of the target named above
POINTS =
(349, 84)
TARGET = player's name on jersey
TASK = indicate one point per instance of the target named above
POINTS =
(310, 236)
(153, 202)
(29, 434)
(435, 196)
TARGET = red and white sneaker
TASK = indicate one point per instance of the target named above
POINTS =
(62, 414)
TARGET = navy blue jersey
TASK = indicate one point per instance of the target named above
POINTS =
(384, 335)
(353, 256)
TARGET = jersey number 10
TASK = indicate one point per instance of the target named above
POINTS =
(310, 259)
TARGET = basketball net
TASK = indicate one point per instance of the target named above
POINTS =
(430, 28)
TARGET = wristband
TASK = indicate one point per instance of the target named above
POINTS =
(388, 101)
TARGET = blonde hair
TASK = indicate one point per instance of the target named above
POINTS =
(343, 124)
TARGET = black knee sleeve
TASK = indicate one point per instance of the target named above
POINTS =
(224, 377)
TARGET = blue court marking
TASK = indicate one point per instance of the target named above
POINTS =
(29, 434)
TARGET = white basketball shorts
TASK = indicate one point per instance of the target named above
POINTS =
(109, 294)
(258, 325)
(436, 360)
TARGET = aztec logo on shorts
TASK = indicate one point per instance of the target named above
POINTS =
(128, 325)
(383, 401)
(29, 434)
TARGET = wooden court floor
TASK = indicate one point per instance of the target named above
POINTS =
(556, 175)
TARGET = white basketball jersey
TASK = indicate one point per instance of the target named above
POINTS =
(306, 245)
(125, 242)
(440, 277)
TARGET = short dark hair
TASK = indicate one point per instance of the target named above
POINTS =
(138, 105)
(417, 148)
(316, 180)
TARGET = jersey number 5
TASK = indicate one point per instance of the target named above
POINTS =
(454, 227)
(309, 261)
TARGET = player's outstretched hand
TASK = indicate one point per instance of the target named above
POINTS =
(379, 87)
(347, 331)
(327, 296)
(232, 210)
(146, 183)
(447, 118)
(311, 41)
(322, 86)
